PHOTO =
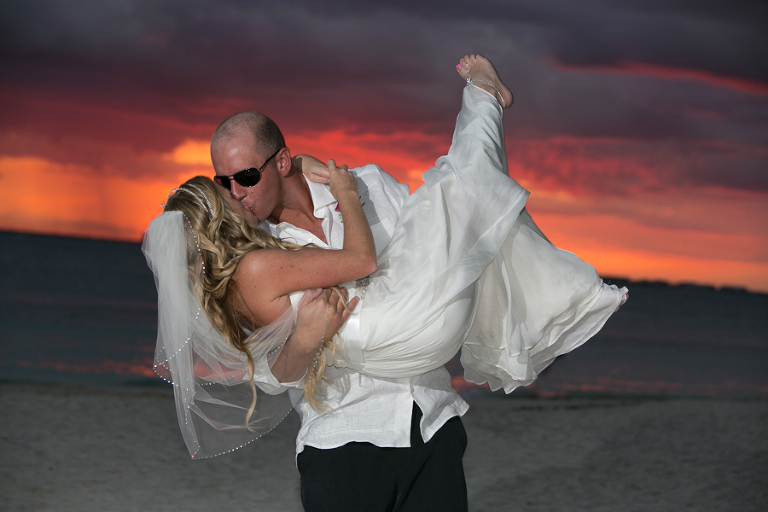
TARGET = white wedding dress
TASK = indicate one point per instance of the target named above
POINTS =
(467, 268)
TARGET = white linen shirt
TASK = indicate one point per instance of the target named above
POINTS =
(364, 408)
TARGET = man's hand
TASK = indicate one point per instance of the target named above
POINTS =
(320, 311)
(342, 181)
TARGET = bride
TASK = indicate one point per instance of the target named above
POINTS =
(466, 268)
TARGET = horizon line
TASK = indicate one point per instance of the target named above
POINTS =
(609, 279)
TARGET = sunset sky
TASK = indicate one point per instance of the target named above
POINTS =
(640, 127)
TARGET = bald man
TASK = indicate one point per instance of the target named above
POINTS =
(383, 444)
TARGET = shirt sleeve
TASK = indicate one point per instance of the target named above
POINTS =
(375, 177)
(267, 382)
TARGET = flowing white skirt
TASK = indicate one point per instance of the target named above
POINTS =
(468, 269)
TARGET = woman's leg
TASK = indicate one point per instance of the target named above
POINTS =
(478, 138)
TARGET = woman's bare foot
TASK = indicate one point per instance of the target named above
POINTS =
(479, 71)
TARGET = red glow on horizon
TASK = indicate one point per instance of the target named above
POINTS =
(105, 367)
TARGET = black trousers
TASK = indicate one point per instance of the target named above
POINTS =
(363, 477)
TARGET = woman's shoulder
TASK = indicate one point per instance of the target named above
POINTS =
(253, 276)
(256, 263)
(271, 269)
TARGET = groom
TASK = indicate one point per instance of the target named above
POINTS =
(383, 444)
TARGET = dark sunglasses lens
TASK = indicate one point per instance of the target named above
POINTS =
(223, 181)
(248, 177)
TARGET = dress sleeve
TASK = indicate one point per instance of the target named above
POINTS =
(382, 197)
(385, 184)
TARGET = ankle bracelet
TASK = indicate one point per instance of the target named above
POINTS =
(470, 81)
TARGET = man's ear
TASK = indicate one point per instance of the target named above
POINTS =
(284, 162)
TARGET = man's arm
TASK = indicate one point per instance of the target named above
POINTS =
(312, 168)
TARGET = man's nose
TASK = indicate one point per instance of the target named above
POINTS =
(237, 190)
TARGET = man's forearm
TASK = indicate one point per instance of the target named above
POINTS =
(294, 360)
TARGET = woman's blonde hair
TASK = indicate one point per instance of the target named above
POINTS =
(224, 237)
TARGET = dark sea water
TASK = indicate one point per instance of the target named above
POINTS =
(78, 311)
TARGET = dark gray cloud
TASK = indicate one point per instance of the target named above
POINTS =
(722, 37)
(615, 167)
(148, 74)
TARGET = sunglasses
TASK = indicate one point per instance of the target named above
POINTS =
(245, 178)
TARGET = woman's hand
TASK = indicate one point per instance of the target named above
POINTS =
(342, 181)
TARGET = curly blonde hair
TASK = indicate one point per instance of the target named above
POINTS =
(224, 237)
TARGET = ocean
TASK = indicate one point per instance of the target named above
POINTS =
(80, 311)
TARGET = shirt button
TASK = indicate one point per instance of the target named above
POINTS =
(412, 390)
(311, 240)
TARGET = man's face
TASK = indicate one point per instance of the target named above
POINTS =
(238, 153)
(237, 206)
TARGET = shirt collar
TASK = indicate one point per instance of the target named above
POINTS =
(321, 197)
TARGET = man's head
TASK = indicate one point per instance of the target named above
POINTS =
(252, 141)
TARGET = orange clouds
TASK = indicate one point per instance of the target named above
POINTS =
(392, 152)
(624, 248)
(191, 152)
(41, 196)
(689, 233)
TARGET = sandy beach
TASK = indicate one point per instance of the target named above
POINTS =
(114, 449)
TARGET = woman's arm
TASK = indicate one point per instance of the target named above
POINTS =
(320, 315)
(265, 277)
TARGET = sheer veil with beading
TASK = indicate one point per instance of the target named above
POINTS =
(210, 377)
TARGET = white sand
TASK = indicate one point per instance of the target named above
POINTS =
(66, 448)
